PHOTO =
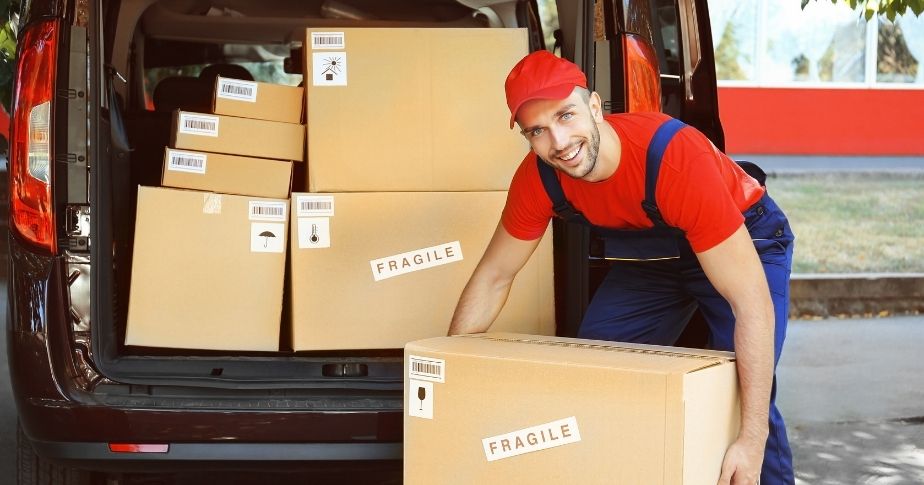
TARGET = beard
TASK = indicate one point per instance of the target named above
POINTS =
(590, 160)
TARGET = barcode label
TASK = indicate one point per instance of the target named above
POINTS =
(198, 124)
(267, 211)
(426, 369)
(237, 90)
(315, 205)
(186, 162)
(327, 40)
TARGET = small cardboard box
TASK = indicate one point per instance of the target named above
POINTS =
(227, 174)
(377, 270)
(505, 408)
(410, 109)
(237, 136)
(259, 101)
(208, 271)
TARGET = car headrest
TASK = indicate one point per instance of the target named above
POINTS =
(233, 71)
(182, 92)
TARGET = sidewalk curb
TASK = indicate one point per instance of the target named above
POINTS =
(863, 294)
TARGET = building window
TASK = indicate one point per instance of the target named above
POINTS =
(900, 51)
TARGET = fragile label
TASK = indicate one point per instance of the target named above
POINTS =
(267, 237)
(237, 90)
(411, 261)
(329, 68)
(313, 232)
(267, 211)
(315, 205)
(535, 438)
(203, 125)
(426, 368)
(420, 399)
(211, 203)
(328, 40)
(186, 162)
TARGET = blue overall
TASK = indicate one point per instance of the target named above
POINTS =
(656, 283)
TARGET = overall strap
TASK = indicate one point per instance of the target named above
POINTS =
(656, 149)
(560, 204)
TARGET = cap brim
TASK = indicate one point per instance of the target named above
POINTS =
(561, 91)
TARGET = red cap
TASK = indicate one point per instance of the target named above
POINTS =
(541, 75)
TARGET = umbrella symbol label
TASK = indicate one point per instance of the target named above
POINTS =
(267, 237)
(419, 399)
(329, 68)
(313, 232)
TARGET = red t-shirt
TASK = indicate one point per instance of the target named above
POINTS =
(700, 190)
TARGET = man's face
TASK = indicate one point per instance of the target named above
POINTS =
(563, 132)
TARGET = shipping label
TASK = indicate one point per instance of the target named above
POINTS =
(186, 162)
(328, 40)
(267, 237)
(237, 90)
(196, 124)
(329, 68)
(535, 438)
(261, 210)
(313, 232)
(315, 205)
(417, 260)
(426, 368)
(211, 203)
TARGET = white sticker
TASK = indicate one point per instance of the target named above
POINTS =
(237, 90)
(328, 40)
(313, 232)
(262, 210)
(535, 438)
(211, 203)
(315, 205)
(411, 261)
(186, 162)
(198, 124)
(420, 399)
(426, 368)
(267, 237)
(329, 68)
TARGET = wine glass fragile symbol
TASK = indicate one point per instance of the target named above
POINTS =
(421, 394)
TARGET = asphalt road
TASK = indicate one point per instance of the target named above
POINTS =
(852, 392)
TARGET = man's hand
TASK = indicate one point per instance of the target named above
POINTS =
(742, 463)
(486, 292)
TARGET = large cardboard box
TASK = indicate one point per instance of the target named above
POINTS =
(261, 101)
(208, 271)
(227, 174)
(504, 408)
(410, 109)
(377, 270)
(237, 136)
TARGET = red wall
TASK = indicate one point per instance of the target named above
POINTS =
(822, 121)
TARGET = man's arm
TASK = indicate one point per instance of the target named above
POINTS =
(734, 268)
(487, 289)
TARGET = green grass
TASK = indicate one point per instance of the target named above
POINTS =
(854, 222)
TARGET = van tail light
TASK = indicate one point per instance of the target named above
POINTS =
(31, 209)
(643, 79)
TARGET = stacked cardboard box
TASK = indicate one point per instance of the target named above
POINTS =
(409, 156)
(209, 256)
(506, 408)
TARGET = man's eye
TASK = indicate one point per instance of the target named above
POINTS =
(567, 116)
(535, 133)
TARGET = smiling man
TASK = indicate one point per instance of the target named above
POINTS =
(685, 226)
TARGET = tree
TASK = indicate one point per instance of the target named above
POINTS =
(889, 8)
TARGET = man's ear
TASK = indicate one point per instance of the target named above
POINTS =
(596, 107)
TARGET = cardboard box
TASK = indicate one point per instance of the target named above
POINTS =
(237, 136)
(259, 101)
(227, 174)
(506, 408)
(377, 270)
(410, 109)
(208, 271)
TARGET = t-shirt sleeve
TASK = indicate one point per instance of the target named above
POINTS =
(528, 210)
(692, 192)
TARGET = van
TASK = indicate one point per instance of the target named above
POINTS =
(96, 84)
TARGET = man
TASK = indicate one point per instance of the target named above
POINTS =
(695, 231)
